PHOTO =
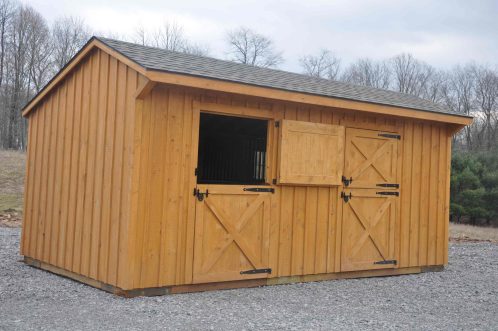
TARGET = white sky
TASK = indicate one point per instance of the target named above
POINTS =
(440, 32)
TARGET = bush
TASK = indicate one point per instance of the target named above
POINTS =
(474, 188)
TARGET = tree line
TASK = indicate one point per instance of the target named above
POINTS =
(32, 51)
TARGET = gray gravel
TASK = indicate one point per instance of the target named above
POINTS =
(464, 296)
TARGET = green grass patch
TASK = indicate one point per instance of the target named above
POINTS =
(11, 202)
(11, 180)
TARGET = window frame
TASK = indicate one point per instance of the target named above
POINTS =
(224, 111)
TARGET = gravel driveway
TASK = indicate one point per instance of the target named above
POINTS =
(464, 296)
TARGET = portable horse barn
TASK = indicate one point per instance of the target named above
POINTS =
(152, 172)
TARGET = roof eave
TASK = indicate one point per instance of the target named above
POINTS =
(92, 43)
(242, 88)
(182, 79)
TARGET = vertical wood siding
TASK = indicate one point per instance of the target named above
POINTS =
(110, 178)
(79, 171)
(305, 233)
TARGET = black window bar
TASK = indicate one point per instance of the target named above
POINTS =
(232, 150)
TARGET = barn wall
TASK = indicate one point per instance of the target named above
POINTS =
(305, 223)
(79, 170)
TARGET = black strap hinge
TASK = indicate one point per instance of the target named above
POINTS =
(389, 185)
(387, 262)
(347, 181)
(388, 193)
(259, 189)
(256, 271)
(346, 197)
(390, 135)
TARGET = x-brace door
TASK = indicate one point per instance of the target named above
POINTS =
(370, 200)
(231, 234)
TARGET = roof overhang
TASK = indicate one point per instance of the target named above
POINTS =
(283, 95)
(245, 89)
(92, 44)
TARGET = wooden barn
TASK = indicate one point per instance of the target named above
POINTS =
(153, 172)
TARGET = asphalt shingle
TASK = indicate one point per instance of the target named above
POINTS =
(175, 62)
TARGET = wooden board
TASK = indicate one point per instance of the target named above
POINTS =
(310, 153)
(231, 233)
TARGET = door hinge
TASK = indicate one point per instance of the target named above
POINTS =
(347, 181)
(256, 271)
(346, 197)
(387, 262)
(390, 135)
(196, 171)
(200, 196)
(277, 124)
(389, 185)
(259, 189)
(388, 193)
(274, 181)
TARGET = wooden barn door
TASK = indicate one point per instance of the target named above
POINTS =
(232, 221)
(231, 233)
(370, 200)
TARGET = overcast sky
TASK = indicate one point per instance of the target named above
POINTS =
(440, 32)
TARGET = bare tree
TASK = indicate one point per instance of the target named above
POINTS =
(196, 49)
(40, 57)
(169, 36)
(25, 28)
(368, 73)
(7, 9)
(486, 90)
(410, 75)
(249, 47)
(140, 35)
(69, 34)
(435, 87)
(324, 65)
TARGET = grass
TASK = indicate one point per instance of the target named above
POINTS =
(11, 180)
(464, 232)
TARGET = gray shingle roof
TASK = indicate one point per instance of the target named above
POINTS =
(200, 66)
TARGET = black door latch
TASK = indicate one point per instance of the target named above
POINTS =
(200, 195)
(347, 181)
(346, 197)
